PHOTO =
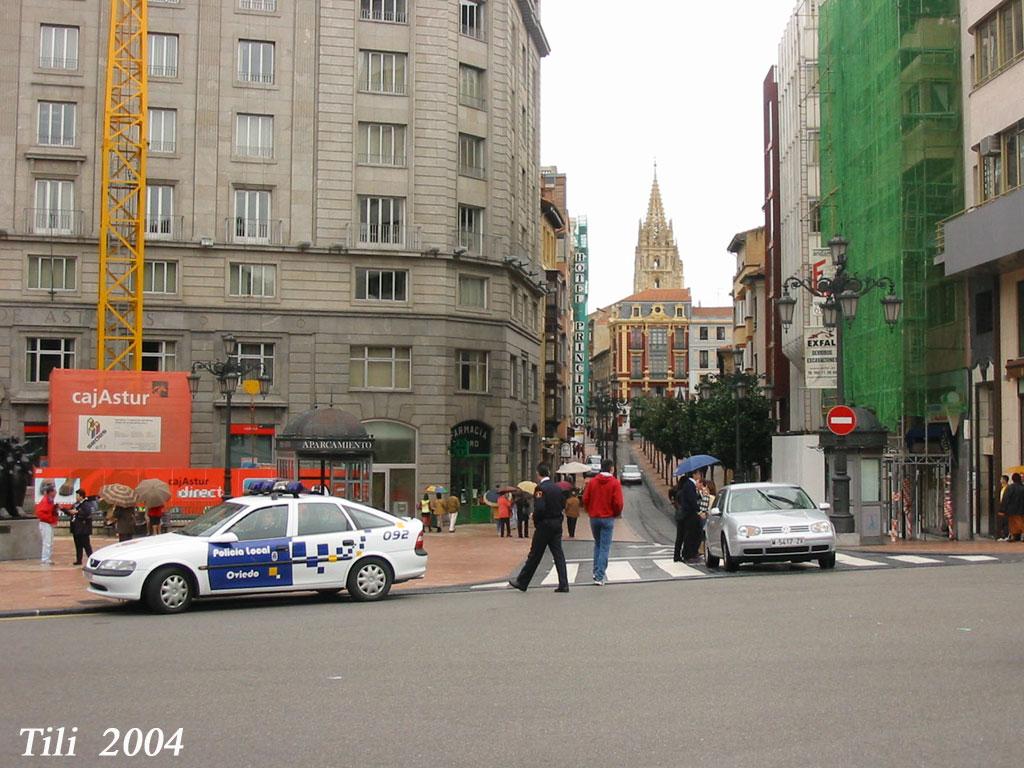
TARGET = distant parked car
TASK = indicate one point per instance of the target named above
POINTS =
(594, 462)
(631, 474)
(767, 522)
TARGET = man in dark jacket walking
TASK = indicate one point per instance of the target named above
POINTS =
(1013, 505)
(548, 503)
(688, 530)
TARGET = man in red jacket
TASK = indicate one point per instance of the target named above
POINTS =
(46, 513)
(602, 498)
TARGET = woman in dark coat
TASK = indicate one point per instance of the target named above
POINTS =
(81, 524)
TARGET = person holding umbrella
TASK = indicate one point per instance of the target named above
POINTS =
(503, 516)
(121, 498)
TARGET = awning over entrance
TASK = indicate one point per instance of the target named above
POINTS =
(330, 448)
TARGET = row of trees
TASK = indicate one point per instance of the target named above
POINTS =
(708, 425)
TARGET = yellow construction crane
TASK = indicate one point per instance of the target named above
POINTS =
(123, 192)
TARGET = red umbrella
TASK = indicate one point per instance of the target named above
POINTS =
(508, 489)
(565, 485)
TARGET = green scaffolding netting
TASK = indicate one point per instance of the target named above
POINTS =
(891, 170)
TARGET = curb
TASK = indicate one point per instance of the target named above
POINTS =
(27, 613)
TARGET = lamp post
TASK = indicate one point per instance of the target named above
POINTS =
(228, 372)
(842, 294)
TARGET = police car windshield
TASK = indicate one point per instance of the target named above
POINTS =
(210, 520)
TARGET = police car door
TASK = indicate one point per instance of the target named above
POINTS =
(260, 559)
(324, 545)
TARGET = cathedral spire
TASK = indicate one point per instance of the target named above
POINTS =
(657, 263)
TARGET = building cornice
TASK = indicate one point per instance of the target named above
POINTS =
(532, 21)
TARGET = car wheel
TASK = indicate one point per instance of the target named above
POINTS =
(169, 590)
(369, 580)
(730, 563)
(827, 561)
(711, 561)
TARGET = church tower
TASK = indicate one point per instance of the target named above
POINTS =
(657, 262)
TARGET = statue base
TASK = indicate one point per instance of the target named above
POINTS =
(19, 539)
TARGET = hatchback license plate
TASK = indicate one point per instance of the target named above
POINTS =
(786, 542)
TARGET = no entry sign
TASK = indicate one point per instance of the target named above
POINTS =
(841, 420)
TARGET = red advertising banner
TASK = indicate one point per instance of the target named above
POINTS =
(193, 489)
(119, 419)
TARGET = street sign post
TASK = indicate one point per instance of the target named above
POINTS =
(841, 420)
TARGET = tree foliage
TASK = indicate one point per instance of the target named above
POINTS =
(709, 424)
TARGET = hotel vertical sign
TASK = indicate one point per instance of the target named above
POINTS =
(580, 326)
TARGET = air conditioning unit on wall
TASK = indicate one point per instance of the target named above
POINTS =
(990, 146)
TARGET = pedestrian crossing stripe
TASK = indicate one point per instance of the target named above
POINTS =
(914, 559)
(976, 558)
(552, 578)
(858, 562)
(678, 570)
(621, 570)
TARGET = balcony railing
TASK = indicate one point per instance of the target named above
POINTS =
(391, 159)
(473, 30)
(165, 227)
(159, 146)
(473, 171)
(471, 241)
(58, 63)
(258, 231)
(258, 5)
(163, 70)
(50, 221)
(267, 78)
(476, 102)
(254, 150)
(389, 235)
(381, 14)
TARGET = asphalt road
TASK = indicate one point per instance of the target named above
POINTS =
(880, 668)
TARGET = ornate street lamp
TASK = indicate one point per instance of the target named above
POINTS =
(842, 294)
(228, 372)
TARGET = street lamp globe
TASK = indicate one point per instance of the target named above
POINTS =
(737, 357)
(830, 313)
(837, 250)
(741, 389)
(786, 305)
(848, 302)
(193, 383)
(705, 388)
(264, 382)
(891, 305)
(228, 382)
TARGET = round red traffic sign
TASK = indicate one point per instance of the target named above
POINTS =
(841, 420)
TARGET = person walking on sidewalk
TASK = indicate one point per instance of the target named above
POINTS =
(602, 499)
(81, 524)
(572, 512)
(521, 510)
(1002, 522)
(1013, 506)
(688, 530)
(46, 513)
(451, 507)
(548, 503)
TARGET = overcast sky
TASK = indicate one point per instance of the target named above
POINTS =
(630, 82)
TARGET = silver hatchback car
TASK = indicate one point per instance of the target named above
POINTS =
(767, 522)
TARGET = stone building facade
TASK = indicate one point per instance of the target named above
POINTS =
(349, 187)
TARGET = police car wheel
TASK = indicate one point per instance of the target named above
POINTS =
(169, 590)
(369, 580)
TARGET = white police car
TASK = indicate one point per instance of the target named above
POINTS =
(272, 543)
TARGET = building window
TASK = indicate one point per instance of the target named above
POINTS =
(998, 40)
(514, 389)
(471, 228)
(473, 370)
(703, 333)
(381, 144)
(471, 156)
(254, 135)
(472, 19)
(158, 356)
(163, 55)
(56, 125)
(58, 47)
(703, 358)
(473, 291)
(54, 212)
(381, 220)
(159, 210)
(381, 367)
(51, 273)
(265, 6)
(534, 384)
(160, 277)
(258, 358)
(984, 316)
(471, 86)
(636, 338)
(636, 367)
(679, 369)
(991, 176)
(814, 215)
(720, 333)
(163, 130)
(657, 352)
(253, 280)
(255, 61)
(383, 72)
(252, 215)
(383, 10)
(45, 354)
(382, 284)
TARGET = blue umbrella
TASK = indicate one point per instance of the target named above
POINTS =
(693, 463)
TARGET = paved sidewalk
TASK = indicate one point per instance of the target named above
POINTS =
(472, 555)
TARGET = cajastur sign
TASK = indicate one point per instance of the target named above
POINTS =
(122, 418)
